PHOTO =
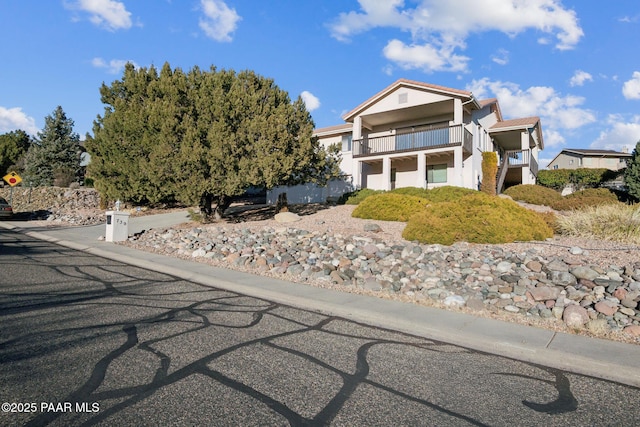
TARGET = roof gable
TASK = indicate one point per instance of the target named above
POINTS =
(437, 93)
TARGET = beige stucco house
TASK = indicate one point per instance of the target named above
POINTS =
(574, 158)
(414, 134)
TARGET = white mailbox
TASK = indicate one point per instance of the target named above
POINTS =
(117, 226)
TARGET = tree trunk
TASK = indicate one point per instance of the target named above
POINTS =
(205, 204)
(223, 202)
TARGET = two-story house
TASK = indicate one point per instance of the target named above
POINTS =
(414, 134)
(574, 158)
(422, 135)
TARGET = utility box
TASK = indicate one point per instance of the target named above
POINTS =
(117, 226)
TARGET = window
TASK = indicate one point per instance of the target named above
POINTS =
(555, 166)
(346, 142)
(437, 173)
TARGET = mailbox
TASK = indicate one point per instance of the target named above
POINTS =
(117, 226)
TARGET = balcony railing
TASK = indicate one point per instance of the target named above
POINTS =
(412, 141)
(515, 159)
(522, 158)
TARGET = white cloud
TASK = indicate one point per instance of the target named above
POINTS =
(631, 88)
(114, 66)
(220, 21)
(376, 14)
(501, 57)
(619, 135)
(439, 28)
(15, 119)
(109, 14)
(557, 112)
(629, 19)
(580, 77)
(310, 100)
(426, 57)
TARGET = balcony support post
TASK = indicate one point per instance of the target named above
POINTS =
(524, 141)
(422, 171)
(357, 174)
(457, 167)
(386, 172)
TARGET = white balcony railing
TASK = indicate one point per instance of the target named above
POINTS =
(411, 141)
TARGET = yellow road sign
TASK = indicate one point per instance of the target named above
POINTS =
(12, 179)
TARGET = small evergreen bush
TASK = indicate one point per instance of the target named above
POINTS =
(601, 193)
(489, 172)
(585, 198)
(534, 194)
(412, 191)
(389, 207)
(355, 197)
(552, 221)
(448, 193)
(476, 218)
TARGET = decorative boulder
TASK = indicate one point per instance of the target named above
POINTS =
(284, 217)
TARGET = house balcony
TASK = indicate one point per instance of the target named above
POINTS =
(427, 139)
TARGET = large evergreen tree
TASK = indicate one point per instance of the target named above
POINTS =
(632, 173)
(201, 137)
(13, 147)
(54, 155)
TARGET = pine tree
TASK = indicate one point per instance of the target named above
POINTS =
(54, 157)
(201, 137)
(632, 173)
(13, 147)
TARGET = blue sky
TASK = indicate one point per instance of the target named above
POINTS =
(573, 63)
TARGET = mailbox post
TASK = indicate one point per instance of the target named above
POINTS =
(117, 226)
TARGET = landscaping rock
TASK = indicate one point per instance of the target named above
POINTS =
(575, 316)
(286, 217)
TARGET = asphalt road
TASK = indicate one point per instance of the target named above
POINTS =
(89, 341)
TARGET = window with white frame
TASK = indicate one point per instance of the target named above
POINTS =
(346, 142)
(437, 173)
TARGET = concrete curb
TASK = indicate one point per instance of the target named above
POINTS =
(599, 358)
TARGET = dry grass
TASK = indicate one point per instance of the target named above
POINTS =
(617, 223)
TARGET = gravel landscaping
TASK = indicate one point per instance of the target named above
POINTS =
(571, 285)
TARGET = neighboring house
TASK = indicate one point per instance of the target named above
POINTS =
(414, 134)
(574, 158)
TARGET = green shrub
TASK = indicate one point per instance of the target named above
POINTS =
(585, 198)
(445, 193)
(355, 197)
(476, 218)
(602, 193)
(619, 223)
(389, 207)
(448, 193)
(590, 177)
(412, 191)
(489, 172)
(556, 178)
(551, 219)
(581, 177)
(534, 194)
